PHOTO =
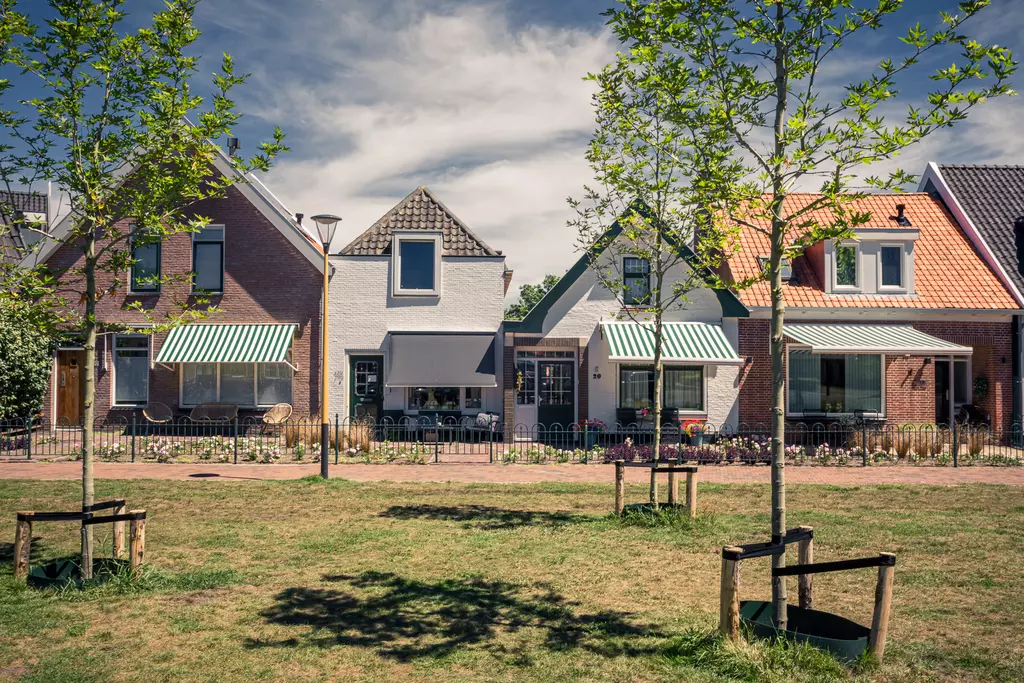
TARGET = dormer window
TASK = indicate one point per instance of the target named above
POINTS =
(636, 281)
(417, 264)
(846, 266)
(787, 268)
(891, 266)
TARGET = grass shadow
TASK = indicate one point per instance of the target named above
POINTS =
(407, 619)
(485, 516)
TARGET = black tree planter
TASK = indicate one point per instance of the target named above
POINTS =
(845, 639)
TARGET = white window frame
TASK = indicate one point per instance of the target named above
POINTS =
(858, 279)
(462, 401)
(159, 265)
(113, 369)
(223, 260)
(396, 262)
(255, 386)
(666, 366)
(802, 347)
(902, 288)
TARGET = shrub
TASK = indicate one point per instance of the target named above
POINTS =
(25, 358)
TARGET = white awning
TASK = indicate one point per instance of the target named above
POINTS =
(853, 338)
(442, 359)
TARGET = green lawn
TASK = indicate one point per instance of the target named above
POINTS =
(266, 581)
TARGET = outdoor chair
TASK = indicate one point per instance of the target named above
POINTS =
(157, 413)
(277, 415)
(214, 412)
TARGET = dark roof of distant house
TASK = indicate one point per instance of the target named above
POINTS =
(420, 211)
(993, 199)
(11, 242)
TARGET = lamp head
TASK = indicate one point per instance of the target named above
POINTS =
(326, 224)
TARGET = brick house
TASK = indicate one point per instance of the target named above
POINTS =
(416, 310)
(899, 325)
(256, 263)
(578, 354)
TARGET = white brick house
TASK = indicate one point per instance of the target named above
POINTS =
(416, 309)
(577, 356)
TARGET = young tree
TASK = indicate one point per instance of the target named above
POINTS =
(765, 66)
(105, 121)
(643, 157)
(529, 295)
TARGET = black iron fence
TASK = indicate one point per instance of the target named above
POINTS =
(424, 440)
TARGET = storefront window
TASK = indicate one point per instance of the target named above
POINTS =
(434, 398)
(474, 398)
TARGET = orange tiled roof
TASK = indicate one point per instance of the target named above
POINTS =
(948, 272)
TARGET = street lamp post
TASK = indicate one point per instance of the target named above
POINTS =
(325, 227)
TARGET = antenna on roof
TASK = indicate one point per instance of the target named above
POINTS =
(233, 146)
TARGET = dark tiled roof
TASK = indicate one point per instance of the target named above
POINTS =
(993, 199)
(421, 210)
(26, 202)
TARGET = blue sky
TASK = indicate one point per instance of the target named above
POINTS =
(483, 101)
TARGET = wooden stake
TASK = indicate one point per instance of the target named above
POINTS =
(119, 533)
(691, 494)
(883, 602)
(654, 486)
(673, 487)
(137, 541)
(805, 555)
(729, 608)
(22, 547)
(620, 487)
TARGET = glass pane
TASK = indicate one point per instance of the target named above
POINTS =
(684, 388)
(208, 266)
(833, 383)
(474, 398)
(962, 389)
(367, 378)
(199, 383)
(636, 280)
(211, 233)
(526, 383)
(236, 384)
(274, 383)
(846, 266)
(146, 267)
(892, 272)
(434, 398)
(555, 384)
(636, 388)
(131, 370)
(863, 383)
(416, 259)
(804, 382)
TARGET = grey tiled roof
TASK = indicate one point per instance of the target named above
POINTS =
(993, 198)
(26, 202)
(11, 242)
(421, 210)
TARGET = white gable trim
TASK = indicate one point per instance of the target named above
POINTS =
(933, 173)
(251, 188)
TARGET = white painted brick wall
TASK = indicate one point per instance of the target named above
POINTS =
(362, 312)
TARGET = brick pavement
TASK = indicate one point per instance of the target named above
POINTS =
(514, 474)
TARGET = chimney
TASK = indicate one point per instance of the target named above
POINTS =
(233, 146)
(901, 219)
(298, 218)
(508, 280)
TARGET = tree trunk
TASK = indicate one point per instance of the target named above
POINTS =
(658, 371)
(88, 493)
(778, 243)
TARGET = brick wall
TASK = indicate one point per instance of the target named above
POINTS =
(910, 383)
(266, 280)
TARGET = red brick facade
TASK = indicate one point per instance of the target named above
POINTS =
(909, 383)
(266, 280)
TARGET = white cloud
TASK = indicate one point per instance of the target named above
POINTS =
(493, 117)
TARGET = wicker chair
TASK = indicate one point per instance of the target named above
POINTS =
(157, 413)
(214, 412)
(277, 415)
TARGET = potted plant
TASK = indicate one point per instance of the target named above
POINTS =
(694, 430)
(590, 430)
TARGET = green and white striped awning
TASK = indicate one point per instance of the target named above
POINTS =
(681, 343)
(227, 344)
(842, 338)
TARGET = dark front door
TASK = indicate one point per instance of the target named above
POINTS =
(70, 385)
(943, 395)
(556, 395)
(366, 382)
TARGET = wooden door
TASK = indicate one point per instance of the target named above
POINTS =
(70, 386)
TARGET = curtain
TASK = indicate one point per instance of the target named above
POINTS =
(274, 383)
(199, 383)
(236, 384)
(684, 388)
(804, 382)
(863, 382)
(636, 388)
(131, 370)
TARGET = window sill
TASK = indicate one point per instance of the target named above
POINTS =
(425, 293)
(142, 294)
(136, 406)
